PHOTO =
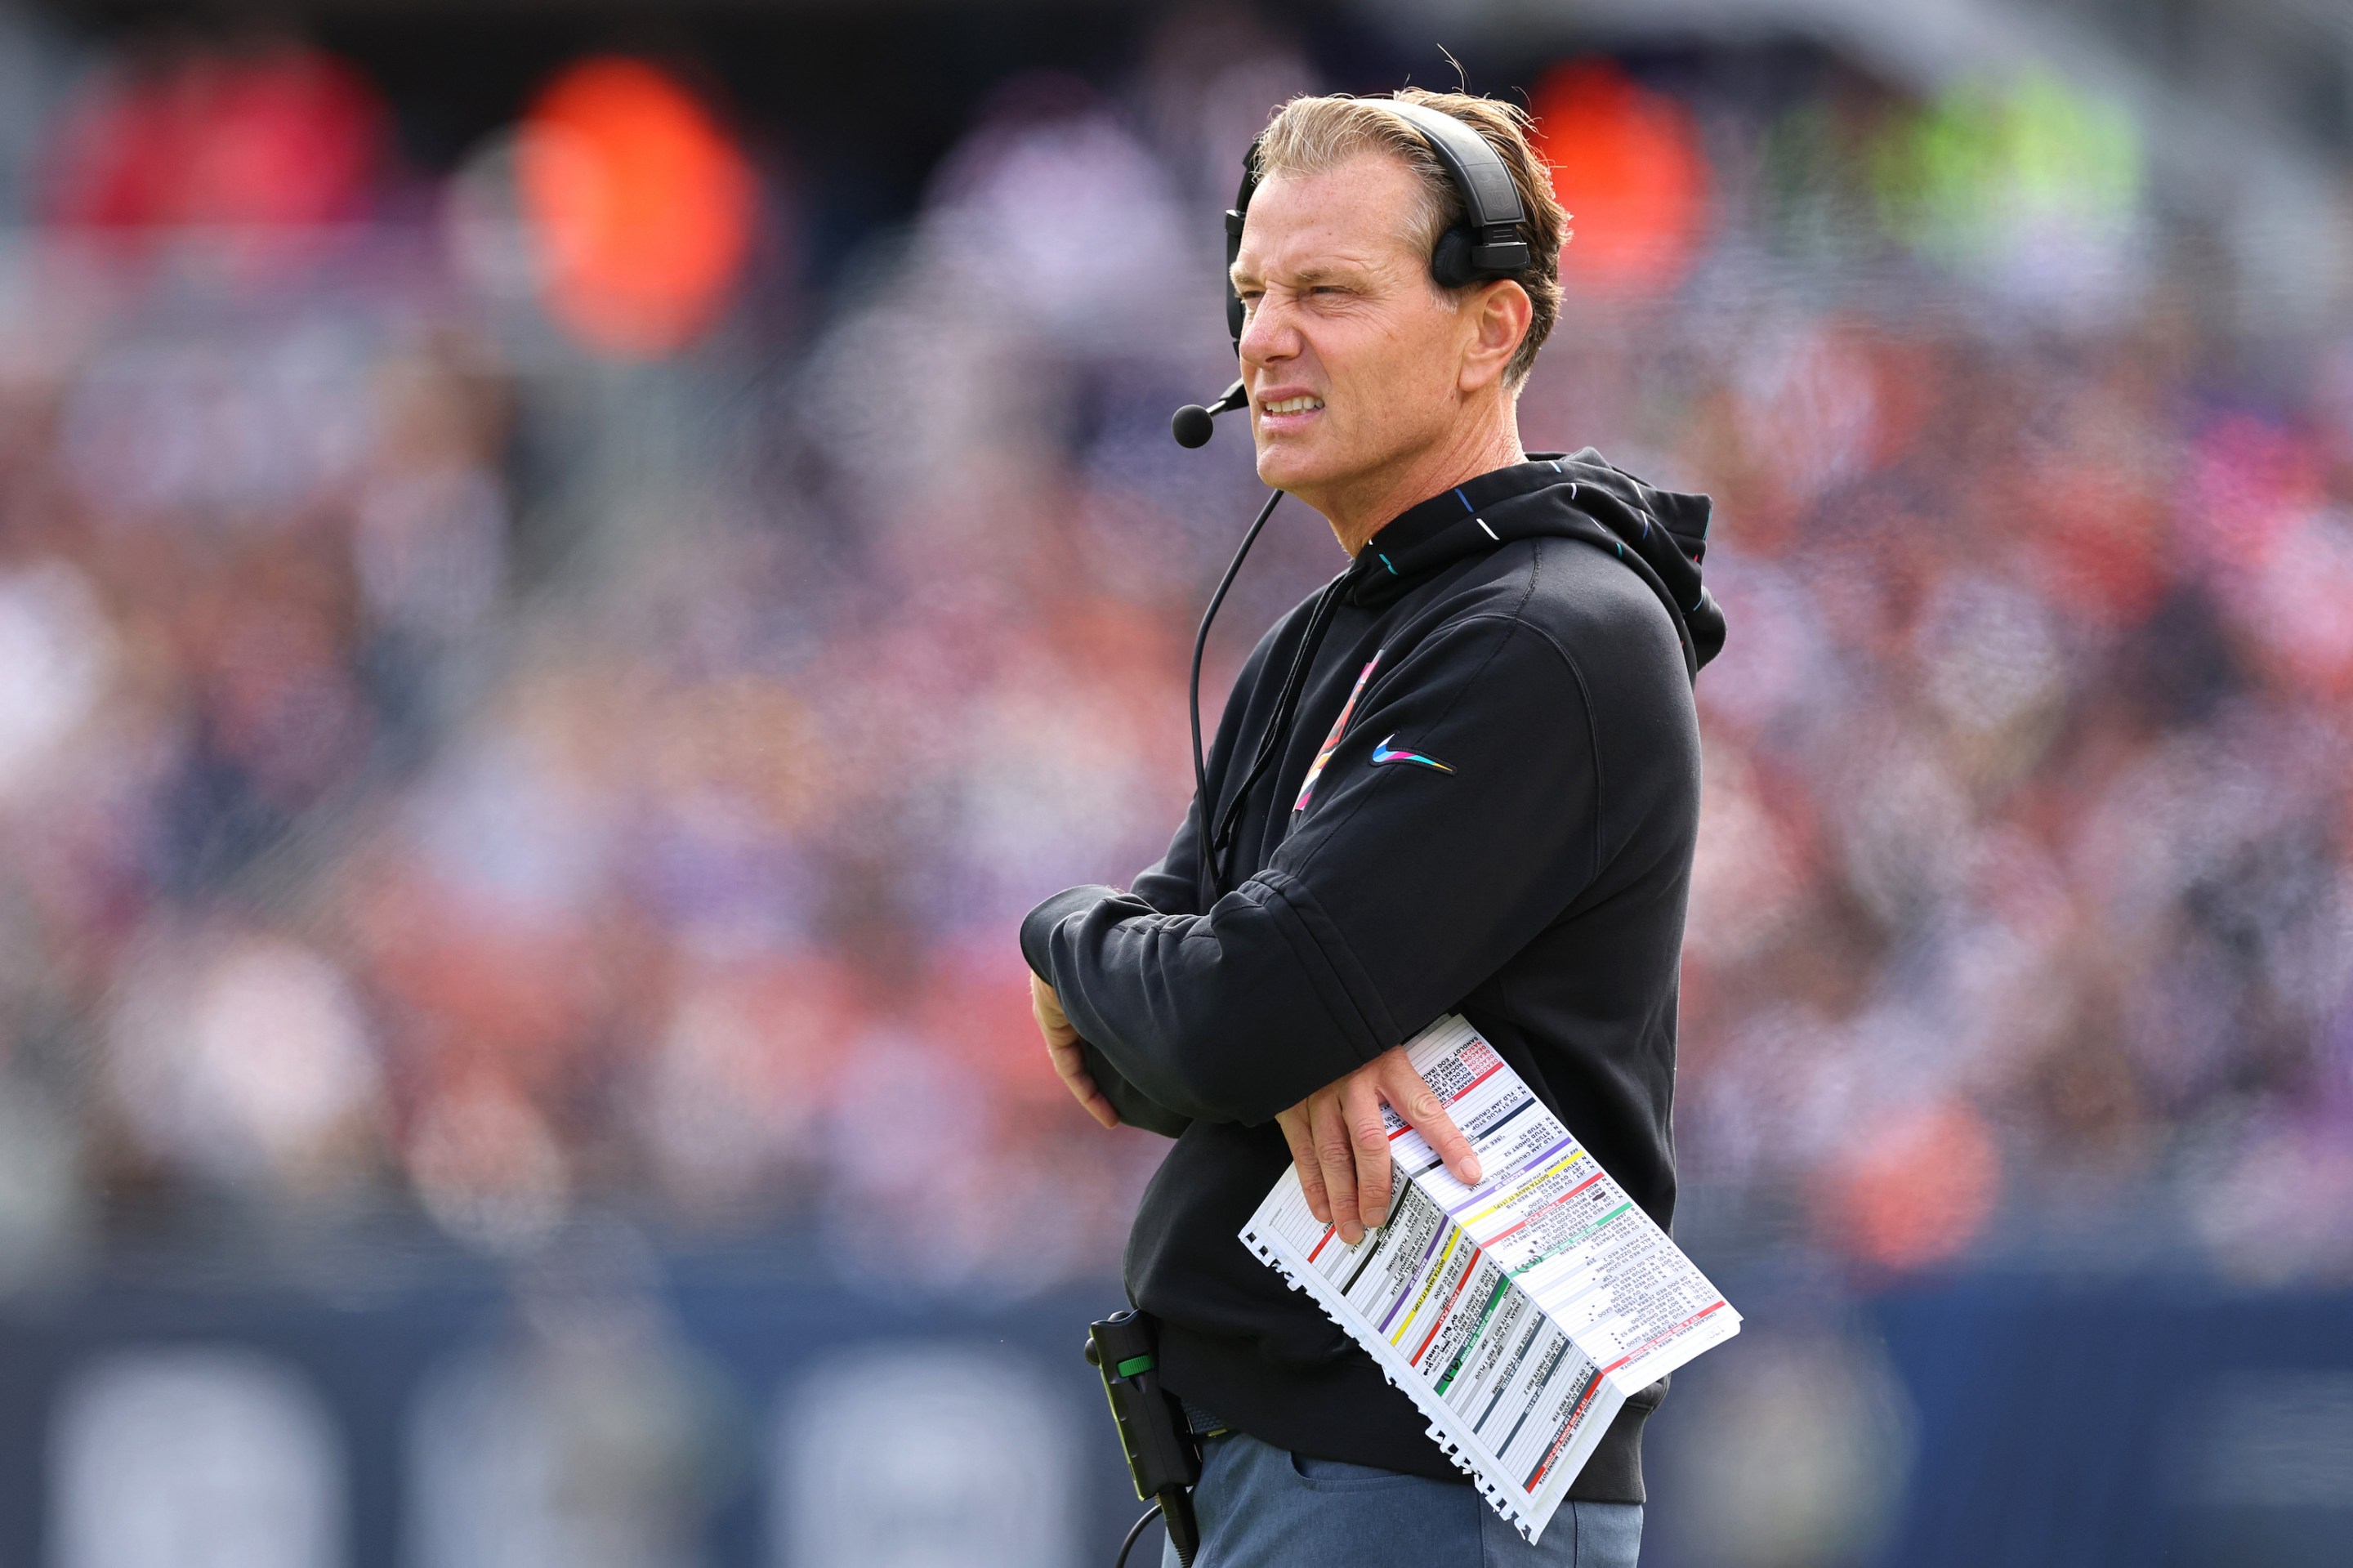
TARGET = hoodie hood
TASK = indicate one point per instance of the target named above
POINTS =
(1661, 535)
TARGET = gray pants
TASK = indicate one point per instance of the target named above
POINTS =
(1261, 1507)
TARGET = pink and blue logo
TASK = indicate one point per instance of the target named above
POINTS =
(1385, 752)
(1332, 741)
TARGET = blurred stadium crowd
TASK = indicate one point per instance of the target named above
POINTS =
(511, 698)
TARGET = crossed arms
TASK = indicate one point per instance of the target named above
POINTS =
(1399, 890)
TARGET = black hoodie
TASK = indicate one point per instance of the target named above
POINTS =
(1479, 792)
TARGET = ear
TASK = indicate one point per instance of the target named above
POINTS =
(1496, 318)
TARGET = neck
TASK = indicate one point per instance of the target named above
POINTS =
(1361, 507)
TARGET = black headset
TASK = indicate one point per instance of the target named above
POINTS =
(1488, 243)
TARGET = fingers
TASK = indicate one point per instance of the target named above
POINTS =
(1340, 1143)
(1062, 1050)
(1092, 1098)
(1413, 1100)
(1296, 1132)
(1361, 1103)
(1071, 1068)
(1336, 1154)
(1047, 1008)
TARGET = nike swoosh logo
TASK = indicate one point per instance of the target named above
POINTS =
(1383, 753)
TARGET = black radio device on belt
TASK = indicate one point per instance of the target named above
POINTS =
(1161, 1454)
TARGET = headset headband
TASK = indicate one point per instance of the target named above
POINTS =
(1486, 244)
(1491, 201)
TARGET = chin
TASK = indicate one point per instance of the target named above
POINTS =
(1284, 465)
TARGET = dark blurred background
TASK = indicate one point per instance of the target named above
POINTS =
(567, 570)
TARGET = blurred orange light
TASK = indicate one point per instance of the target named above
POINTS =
(643, 203)
(1627, 164)
(1915, 1190)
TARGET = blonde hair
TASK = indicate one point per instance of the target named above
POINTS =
(1310, 135)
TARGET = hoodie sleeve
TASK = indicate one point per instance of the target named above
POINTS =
(1456, 819)
(1135, 1106)
(1172, 886)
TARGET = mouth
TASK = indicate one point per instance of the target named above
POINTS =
(1278, 414)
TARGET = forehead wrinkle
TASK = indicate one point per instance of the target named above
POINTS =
(1333, 226)
(1320, 259)
(1310, 274)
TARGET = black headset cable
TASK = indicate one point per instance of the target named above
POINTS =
(1270, 744)
(1202, 803)
(1133, 1531)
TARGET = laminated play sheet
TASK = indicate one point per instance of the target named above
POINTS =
(1519, 1314)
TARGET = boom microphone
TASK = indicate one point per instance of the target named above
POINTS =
(1193, 425)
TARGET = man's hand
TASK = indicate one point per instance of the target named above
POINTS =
(1063, 1046)
(1343, 1151)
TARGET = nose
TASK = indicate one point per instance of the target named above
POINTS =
(1271, 335)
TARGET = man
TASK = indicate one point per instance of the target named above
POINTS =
(1468, 776)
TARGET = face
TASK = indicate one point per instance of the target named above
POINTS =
(1355, 362)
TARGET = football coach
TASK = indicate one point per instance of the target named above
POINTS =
(1463, 776)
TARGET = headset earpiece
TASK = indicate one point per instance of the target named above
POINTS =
(1450, 260)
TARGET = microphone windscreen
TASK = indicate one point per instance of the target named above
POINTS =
(1192, 426)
